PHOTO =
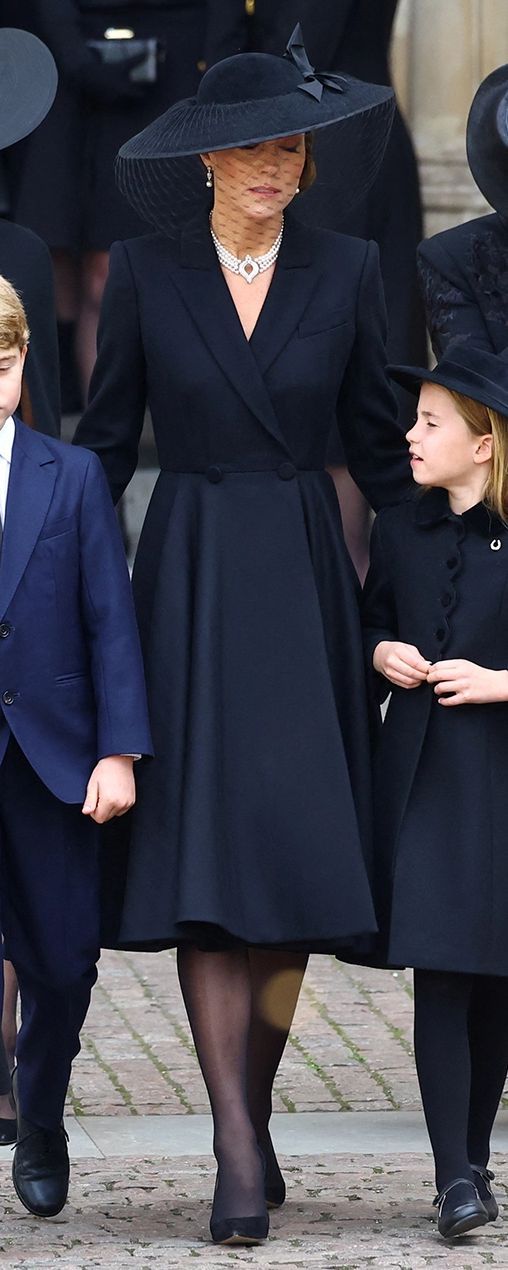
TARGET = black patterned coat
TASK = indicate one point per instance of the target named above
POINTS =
(464, 279)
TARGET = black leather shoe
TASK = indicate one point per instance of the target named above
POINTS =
(483, 1178)
(8, 1131)
(459, 1209)
(40, 1169)
(240, 1230)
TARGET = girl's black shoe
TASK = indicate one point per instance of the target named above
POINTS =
(240, 1230)
(460, 1209)
(483, 1178)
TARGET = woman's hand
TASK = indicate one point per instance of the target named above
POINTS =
(467, 684)
(401, 663)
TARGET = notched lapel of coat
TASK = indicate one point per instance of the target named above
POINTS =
(294, 283)
(204, 292)
(31, 484)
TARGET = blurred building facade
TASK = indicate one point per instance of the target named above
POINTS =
(441, 51)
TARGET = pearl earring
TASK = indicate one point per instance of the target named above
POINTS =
(297, 191)
(209, 181)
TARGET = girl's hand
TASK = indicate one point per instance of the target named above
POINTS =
(467, 683)
(401, 663)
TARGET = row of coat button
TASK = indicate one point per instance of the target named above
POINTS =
(286, 471)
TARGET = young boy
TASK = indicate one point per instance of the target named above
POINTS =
(72, 718)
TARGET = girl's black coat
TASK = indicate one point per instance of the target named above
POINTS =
(441, 807)
(256, 811)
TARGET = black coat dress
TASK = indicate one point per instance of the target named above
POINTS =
(440, 581)
(69, 160)
(253, 821)
(464, 279)
(25, 261)
(353, 36)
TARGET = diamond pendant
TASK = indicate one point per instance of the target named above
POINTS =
(248, 268)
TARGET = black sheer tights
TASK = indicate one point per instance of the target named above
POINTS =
(461, 1048)
(240, 1004)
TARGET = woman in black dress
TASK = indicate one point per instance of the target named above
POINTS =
(251, 841)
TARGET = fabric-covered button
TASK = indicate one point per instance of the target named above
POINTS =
(446, 599)
(5, 630)
(286, 471)
(215, 474)
(8, 698)
(440, 634)
(452, 562)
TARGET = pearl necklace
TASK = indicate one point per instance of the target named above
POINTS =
(250, 266)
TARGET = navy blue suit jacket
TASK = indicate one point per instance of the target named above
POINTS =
(71, 678)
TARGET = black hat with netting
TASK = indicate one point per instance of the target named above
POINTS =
(247, 99)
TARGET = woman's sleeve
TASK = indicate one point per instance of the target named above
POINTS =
(378, 608)
(113, 421)
(376, 452)
(451, 310)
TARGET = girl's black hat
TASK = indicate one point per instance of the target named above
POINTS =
(487, 139)
(241, 101)
(28, 83)
(474, 372)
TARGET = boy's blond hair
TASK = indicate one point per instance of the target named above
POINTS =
(14, 332)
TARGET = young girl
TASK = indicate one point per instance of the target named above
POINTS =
(436, 628)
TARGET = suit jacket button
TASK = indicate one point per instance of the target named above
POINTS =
(215, 474)
(5, 630)
(440, 634)
(286, 471)
(8, 698)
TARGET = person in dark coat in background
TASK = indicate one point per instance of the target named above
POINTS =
(251, 846)
(436, 632)
(69, 163)
(24, 258)
(464, 270)
(354, 36)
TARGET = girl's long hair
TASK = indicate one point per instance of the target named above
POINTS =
(481, 421)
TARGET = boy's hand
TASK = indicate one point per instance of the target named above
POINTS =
(467, 684)
(111, 790)
(401, 663)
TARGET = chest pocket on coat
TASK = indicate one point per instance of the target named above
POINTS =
(325, 320)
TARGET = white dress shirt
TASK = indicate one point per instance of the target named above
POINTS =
(7, 434)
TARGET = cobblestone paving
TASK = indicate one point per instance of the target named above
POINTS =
(344, 1214)
(350, 1047)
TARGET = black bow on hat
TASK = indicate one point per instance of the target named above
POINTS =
(313, 81)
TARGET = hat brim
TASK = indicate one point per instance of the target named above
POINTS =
(164, 179)
(487, 139)
(28, 84)
(460, 379)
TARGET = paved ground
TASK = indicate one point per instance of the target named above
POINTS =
(350, 1048)
(342, 1214)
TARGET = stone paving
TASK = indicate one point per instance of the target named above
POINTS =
(350, 1047)
(341, 1214)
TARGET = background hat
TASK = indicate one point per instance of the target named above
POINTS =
(245, 99)
(474, 372)
(28, 83)
(487, 139)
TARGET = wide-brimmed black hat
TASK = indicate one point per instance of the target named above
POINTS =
(28, 83)
(474, 372)
(243, 100)
(487, 139)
